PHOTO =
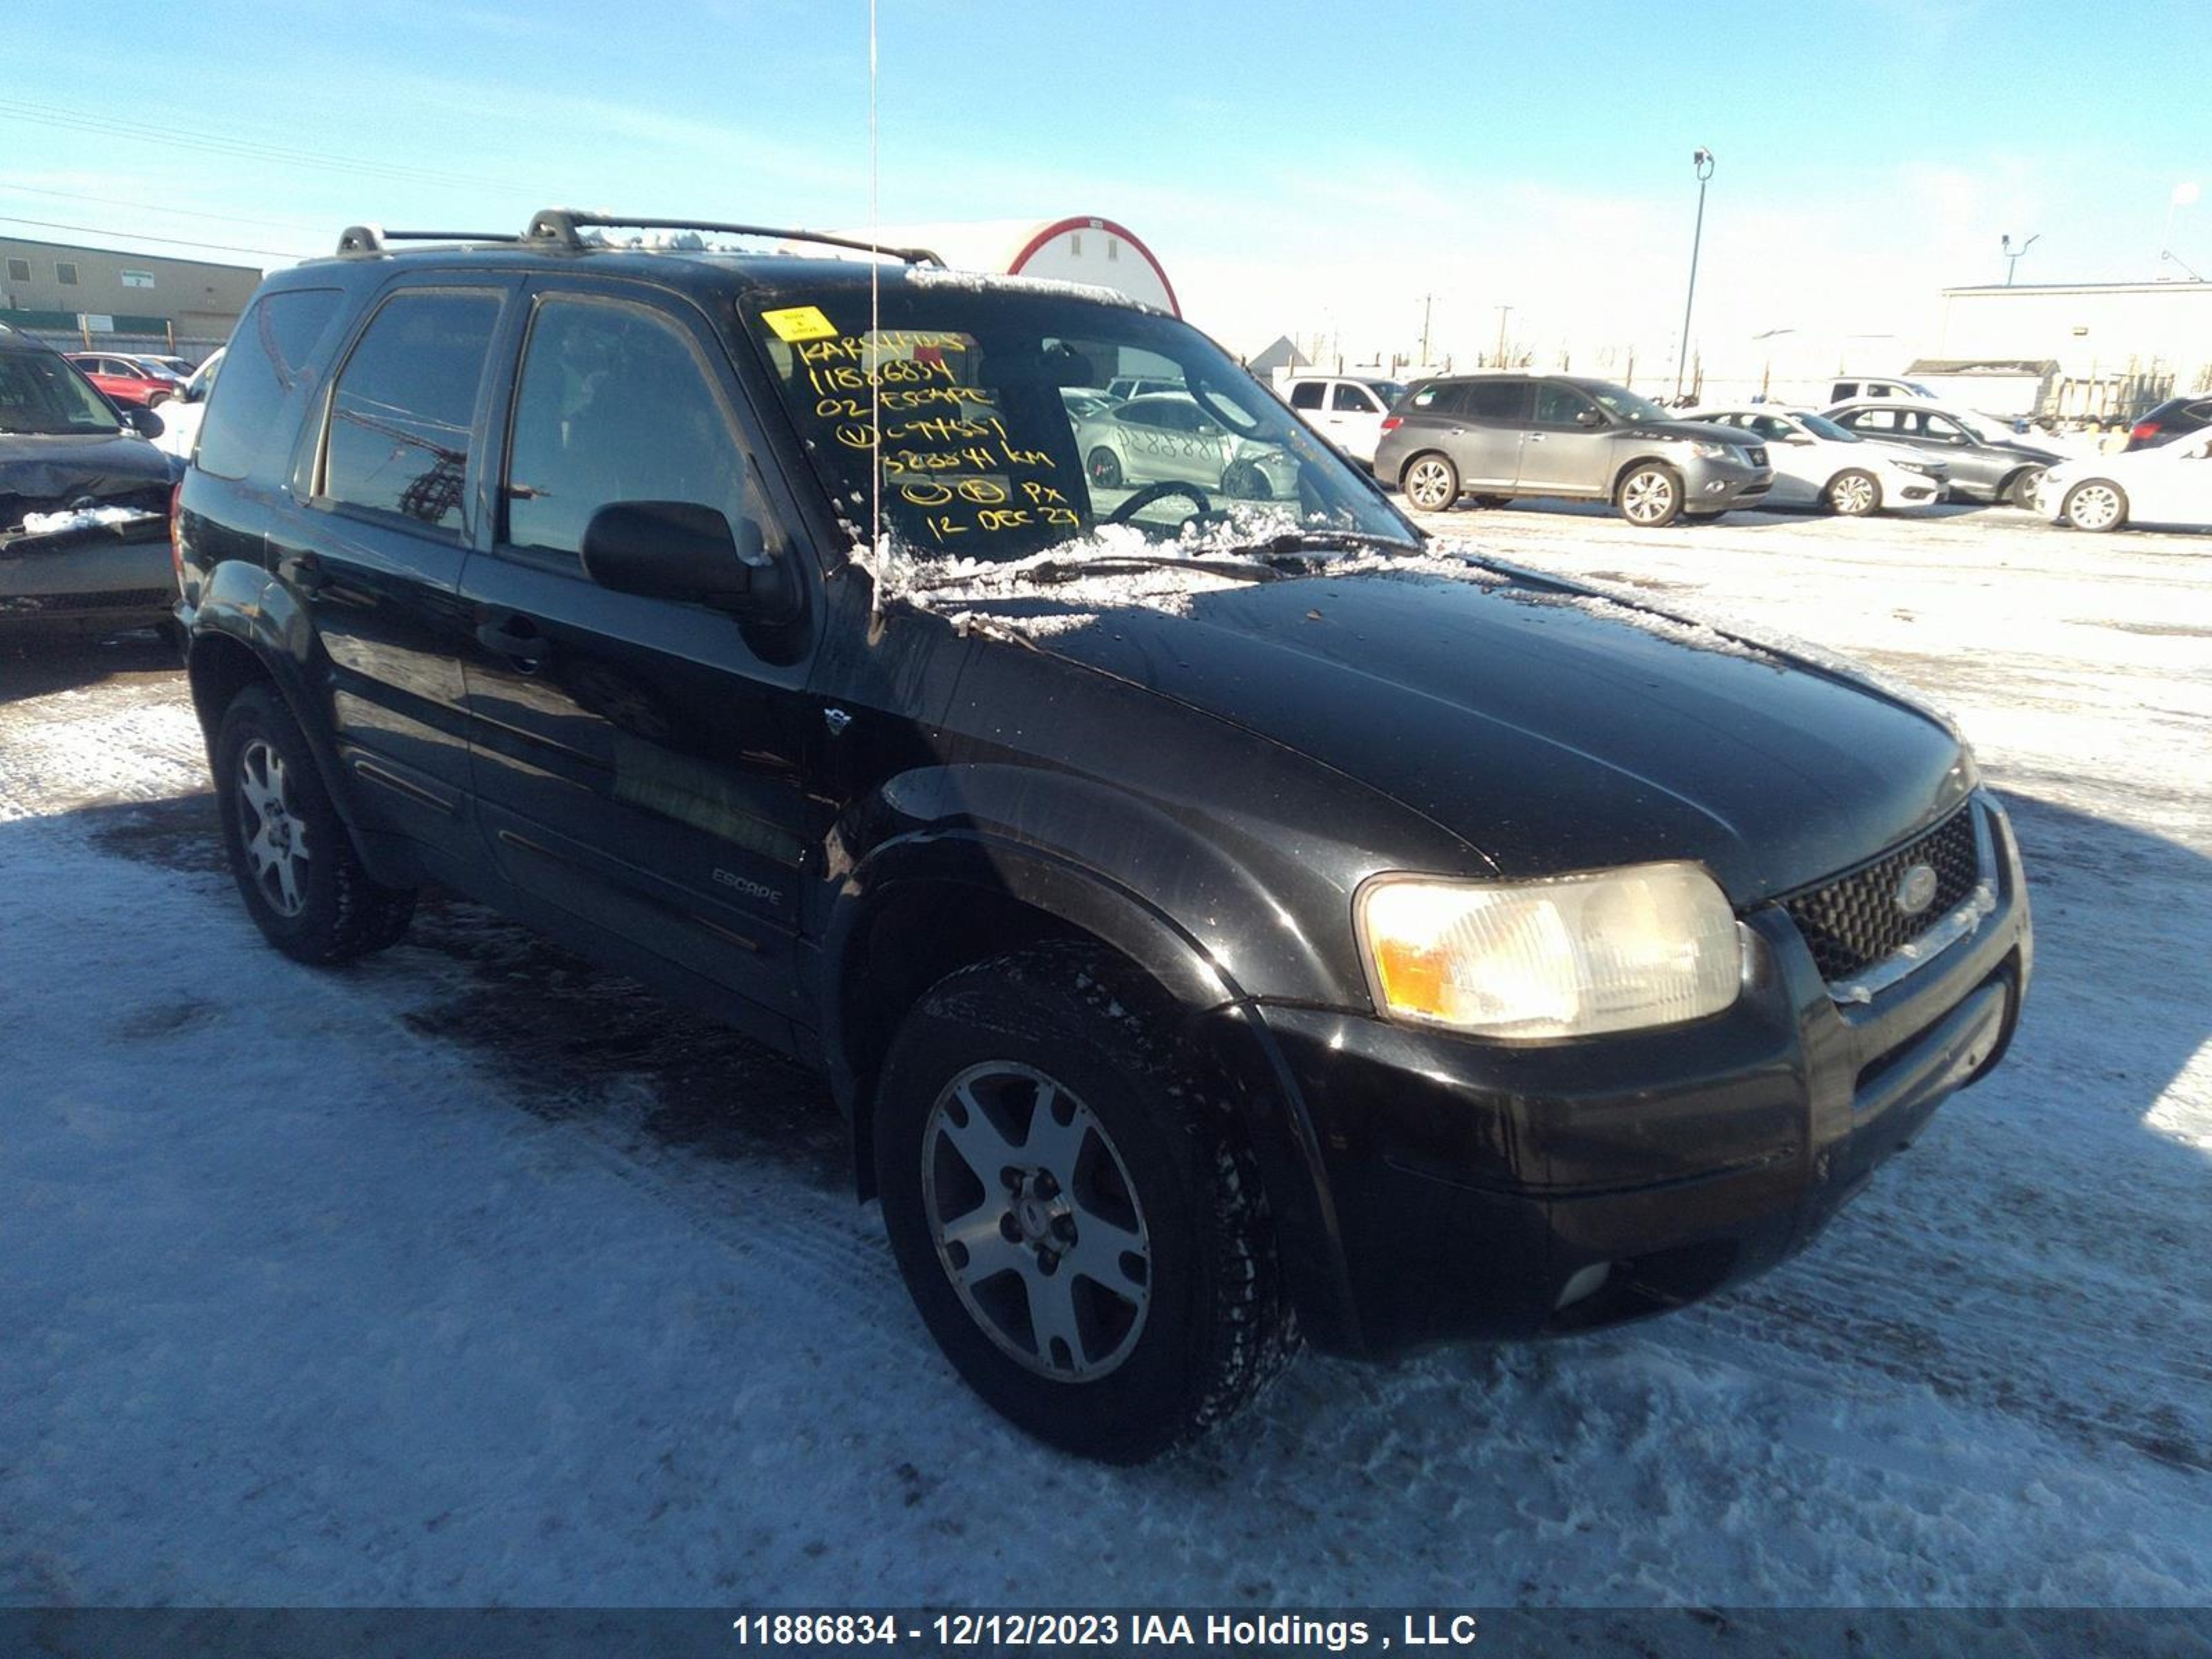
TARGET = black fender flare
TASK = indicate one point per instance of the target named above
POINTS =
(245, 609)
(1216, 1011)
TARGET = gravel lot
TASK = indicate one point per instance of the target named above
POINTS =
(475, 1274)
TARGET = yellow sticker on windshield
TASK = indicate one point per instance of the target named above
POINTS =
(801, 323)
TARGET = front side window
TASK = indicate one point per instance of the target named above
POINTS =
(270, 348)
(1352, 399)
(615, 405)
(1557, 405)
(404, 405)
(955, 392)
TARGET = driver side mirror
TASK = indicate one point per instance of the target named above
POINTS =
(143, 421)
(1588, 417)
(683, 551)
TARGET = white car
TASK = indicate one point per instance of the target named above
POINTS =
(1347, 410)
(1164, 437)
(2169, 485)
(1817, 464)
(180, 417)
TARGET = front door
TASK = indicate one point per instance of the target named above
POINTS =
(640, 762)
(1560, 455)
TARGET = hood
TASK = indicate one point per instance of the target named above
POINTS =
(41, 474)
(1704, 432)
(1549, 727)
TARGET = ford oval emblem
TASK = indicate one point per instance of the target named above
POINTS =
(1915, 891)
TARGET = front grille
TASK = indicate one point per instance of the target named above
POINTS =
(1758, 454)
(1853, 921)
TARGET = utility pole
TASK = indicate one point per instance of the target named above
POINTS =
(1702, 159)
(1427, 301)
(1504, 312)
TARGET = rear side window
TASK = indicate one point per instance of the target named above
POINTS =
(267, 354)
(1306, 394)
(1496, 400)
(406, 403)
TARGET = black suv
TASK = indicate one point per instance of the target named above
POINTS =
(1222, 923)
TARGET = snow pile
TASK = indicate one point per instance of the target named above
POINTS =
(984, 282)
(82, 518)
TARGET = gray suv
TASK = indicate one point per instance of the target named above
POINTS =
(1496, 436)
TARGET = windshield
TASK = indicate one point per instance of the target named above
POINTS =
(982, 456)
(1389, 391)
(41, 395)
(1620, 401)
(1821, 427)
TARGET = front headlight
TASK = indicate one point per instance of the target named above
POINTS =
(1613, 951)
(1921, 467)
(1712, 451)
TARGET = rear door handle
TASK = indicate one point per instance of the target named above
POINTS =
(517, 638)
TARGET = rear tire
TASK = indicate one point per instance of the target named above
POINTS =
(1106, 1279)
(2020, 489)
(1853, 494)
(1649, 495)
(2096, 505)
(1105, 468)
(1246, 483)
(304, 885)
(1431, 482)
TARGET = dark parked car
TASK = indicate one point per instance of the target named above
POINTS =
(2176, 417)
(1428, 947)
(63, 447)
(1498, 436)
(1987, 463)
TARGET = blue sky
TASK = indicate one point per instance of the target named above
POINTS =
(1299, 166)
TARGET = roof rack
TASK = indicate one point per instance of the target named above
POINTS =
(372, 239)
(560, 226)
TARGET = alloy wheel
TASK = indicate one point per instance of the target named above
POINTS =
(1428, 486)
(2093, 506)
(269, 828)
(1647, 498)
(1037, 1221)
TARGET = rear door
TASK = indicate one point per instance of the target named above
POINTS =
(375, 555)
(641, 764)
(1559, 455)
(1484, 434)
(1354, 421)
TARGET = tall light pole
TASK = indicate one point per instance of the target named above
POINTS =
(1703, 161)
(1504, 312)
(2012, 255)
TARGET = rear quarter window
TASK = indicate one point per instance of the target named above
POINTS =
(269, 353)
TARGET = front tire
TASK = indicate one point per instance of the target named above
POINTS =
(1853, 494)
(1074, 1212)
(303, 883)
(1651, 495)
(2096, 505)
(1105, 468)
(1431, 482)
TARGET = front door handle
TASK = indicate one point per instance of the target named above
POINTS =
(1534, 437)
(517, 640)
(305, 572)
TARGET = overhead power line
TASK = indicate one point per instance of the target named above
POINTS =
(137, 236)
(243, 148)
(13, 189)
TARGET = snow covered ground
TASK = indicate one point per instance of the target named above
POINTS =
(473, 1274)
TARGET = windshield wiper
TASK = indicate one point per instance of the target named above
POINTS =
(1074, 570)
(1288, 542)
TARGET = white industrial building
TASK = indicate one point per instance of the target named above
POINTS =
(2110, 349)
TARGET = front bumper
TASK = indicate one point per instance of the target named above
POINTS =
(1714, 486)
(1484, 1190)
(100, 577)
